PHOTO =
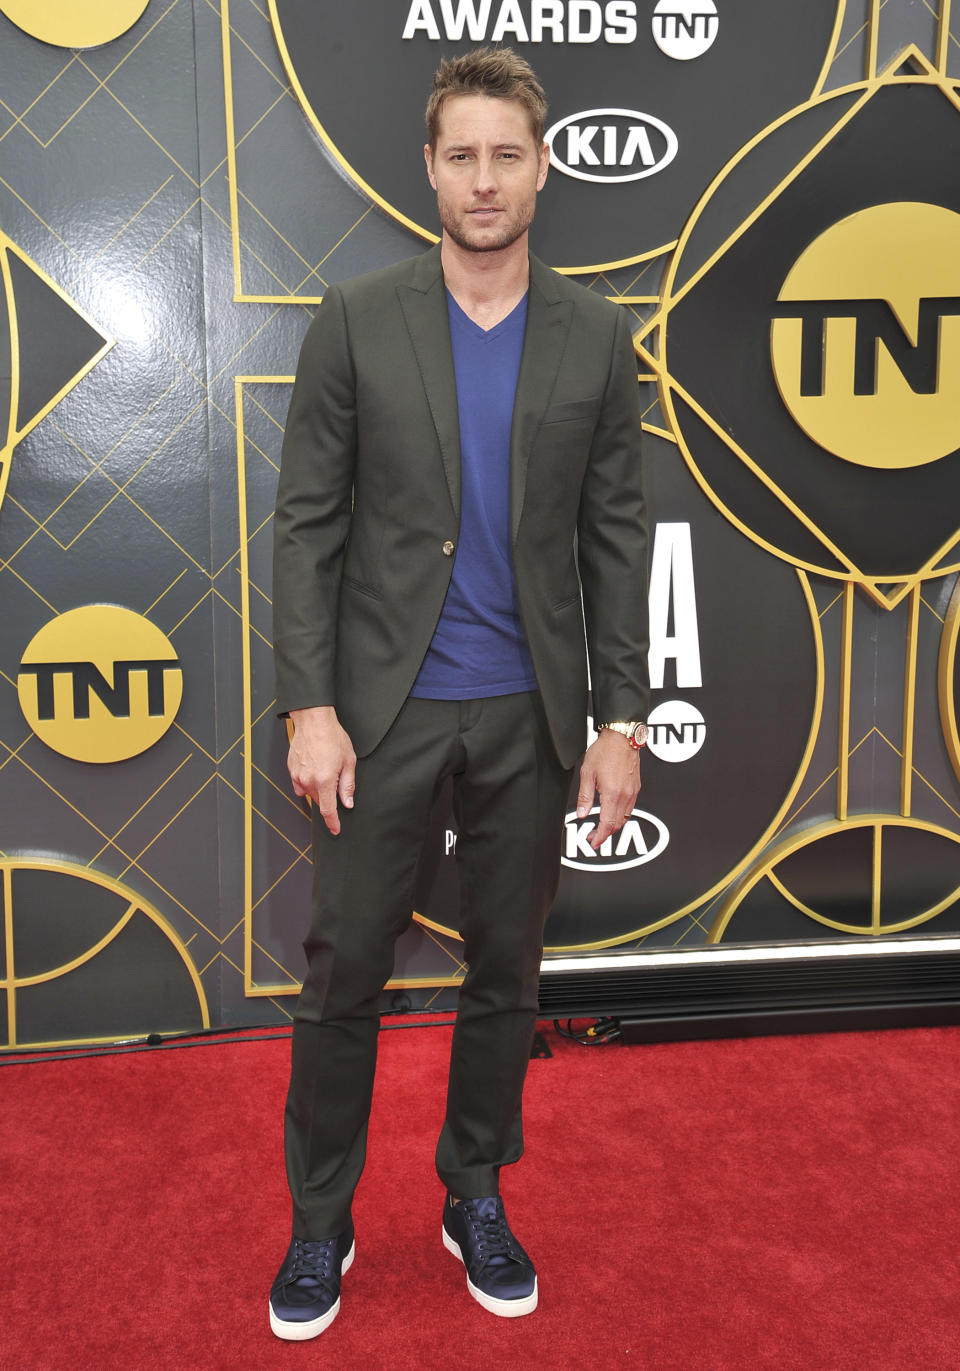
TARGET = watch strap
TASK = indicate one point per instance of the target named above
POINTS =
(634, 732)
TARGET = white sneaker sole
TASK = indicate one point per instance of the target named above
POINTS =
(291, 1331)
(504, 1309)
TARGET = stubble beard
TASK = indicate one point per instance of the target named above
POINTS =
(514, 227)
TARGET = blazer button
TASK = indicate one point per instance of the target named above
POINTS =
(448, 548)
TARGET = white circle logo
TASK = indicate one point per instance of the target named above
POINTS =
(641, 839)
(610, 145)
(675, 731)
(684, 29)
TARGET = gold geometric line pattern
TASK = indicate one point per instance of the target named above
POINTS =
(834, 50)
(232, 143)
(674, 388)
(6, 566)
(97, 468)
(109, 843)
(943, 34)
(136, 903)
(857, 33)
(19, 118)
(84, 957)
(875, 925)
(885, 591)
(8, 954)
(19, 426)
(846, 674)
(140, 808)
(936, 793)
(873, 39)
(49, 228)
(292, 986)
(119, 278)
(301, 853)
(136, 860)
(660, 432)
(113, 836)
(931, 608)
(946, 675)
(176, 580)
(806, 837)
(672, 297)
(909, 702)
(14, 331)
(143, 128)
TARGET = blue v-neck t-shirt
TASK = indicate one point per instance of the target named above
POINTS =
(479, 648)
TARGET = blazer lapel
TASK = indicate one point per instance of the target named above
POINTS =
(424, 305)
(548, 326)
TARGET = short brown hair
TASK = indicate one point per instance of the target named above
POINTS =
(496, 72)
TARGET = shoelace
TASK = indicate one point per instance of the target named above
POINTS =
(314, 1259)
(495, 1244)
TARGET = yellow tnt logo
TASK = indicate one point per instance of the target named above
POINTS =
(100, 684)
(865, 341)
(74, 23)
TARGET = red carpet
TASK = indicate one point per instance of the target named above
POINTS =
(771, 1203)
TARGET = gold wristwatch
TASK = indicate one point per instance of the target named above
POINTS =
(635, 733)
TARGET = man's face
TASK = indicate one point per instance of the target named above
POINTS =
(486, 170)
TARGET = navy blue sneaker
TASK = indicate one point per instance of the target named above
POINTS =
(500, 1275)
(305, 1297)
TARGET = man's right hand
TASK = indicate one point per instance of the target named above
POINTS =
(322, 762)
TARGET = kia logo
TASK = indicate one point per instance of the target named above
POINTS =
(642, 837)
(611, 145)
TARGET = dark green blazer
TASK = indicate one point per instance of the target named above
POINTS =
(368, 505)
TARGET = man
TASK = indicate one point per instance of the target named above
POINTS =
(461, 461)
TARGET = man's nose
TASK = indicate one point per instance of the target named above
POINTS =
(485, 180)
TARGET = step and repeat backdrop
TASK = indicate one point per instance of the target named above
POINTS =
(767, 187)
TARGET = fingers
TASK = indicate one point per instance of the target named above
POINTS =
(348, 782)
(323, 791)
(322, 765)
(327, 805)
(588, 788)
(614, 812)
(615, 808)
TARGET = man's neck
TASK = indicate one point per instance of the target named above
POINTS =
(486, 285)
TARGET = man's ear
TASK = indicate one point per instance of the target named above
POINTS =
(544, 165)
(428, 158)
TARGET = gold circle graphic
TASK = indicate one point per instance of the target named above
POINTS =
(100, 684)
(90, 883)
(74, 23)
(870, 372)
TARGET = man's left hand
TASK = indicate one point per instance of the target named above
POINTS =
(610, 768)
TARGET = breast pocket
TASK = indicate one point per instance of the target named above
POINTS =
(568, 411)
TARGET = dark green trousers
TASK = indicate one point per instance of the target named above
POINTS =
(510, 794)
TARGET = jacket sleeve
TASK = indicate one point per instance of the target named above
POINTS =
(612, 546)
(312, 522)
